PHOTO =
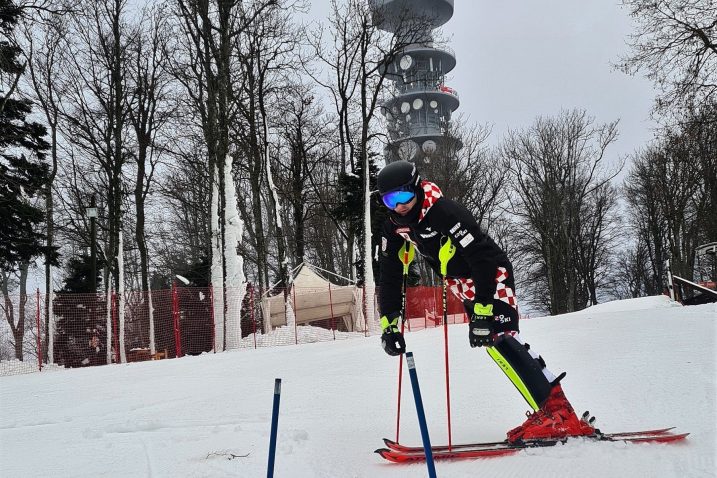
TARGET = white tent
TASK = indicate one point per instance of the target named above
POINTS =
(315, 298)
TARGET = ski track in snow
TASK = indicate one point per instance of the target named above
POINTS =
(639, 364)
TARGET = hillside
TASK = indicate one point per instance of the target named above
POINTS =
(634, 364)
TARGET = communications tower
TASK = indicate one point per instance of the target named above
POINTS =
(419, 111)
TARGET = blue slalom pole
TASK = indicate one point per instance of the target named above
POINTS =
(421, 415)
(274, 427)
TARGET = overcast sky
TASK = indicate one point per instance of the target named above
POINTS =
(518, 59)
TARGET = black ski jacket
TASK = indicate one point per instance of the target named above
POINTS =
(477, 255)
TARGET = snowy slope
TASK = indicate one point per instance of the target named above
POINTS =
(635, 364)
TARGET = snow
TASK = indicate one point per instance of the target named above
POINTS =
(120, 297)
(217, 264)
(16, 367)
(233, 261)
(288, 334)
(634, 364)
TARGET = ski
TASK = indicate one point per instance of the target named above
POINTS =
(494, 449)
(393, 445)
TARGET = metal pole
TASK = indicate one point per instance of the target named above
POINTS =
(253, 317)
(296, 319)
(274, 427)
(39, 332)
(421, 415)
(670, 283)
(331, 305)
(93, 244)
(175, 320)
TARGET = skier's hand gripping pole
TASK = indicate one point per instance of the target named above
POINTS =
(392, 339)
(480, 328)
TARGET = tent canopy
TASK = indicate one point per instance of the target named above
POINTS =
(306, 278)
(313, 298)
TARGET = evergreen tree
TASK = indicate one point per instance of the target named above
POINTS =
(23, 174)
(350, 209)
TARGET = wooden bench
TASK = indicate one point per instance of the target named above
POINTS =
(142, 355)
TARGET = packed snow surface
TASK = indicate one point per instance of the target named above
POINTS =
(638, 364)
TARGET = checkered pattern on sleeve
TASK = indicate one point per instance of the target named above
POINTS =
(462, 288)
(503, 292)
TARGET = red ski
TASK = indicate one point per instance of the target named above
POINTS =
(393, 445)
(493, 449)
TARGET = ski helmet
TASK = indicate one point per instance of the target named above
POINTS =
(398, 175)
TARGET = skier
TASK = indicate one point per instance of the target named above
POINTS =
(479, 274)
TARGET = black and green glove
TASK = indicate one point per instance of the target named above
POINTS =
(480, 328)
(392, 339)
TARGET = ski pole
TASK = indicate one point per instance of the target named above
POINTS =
(446, 252)
(421, 415)
(274, 427)
(406, 254)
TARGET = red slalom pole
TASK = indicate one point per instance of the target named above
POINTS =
(446, 252)
(400, 381)
(448, 373)
(406, 254)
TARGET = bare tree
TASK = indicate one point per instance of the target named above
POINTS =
(267, 61)
(646, 219)
(301, 149)
(363, 43)
(206, 66)
(341, 59)
(557, 176)
(150, 109)
(185, 231)
(17, 327)
(676, 44)
(476, 176)
(666, 192)
(598, 234)
(698, 132)
(631, 274)
(95, 110)
(45, 43)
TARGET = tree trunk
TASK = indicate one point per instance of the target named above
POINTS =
(50, 224)
(140, 237)
(18, 331)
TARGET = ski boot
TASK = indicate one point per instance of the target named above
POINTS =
(555, 419)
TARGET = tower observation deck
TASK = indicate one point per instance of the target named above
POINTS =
(419, 110)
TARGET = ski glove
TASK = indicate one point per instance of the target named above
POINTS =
(392, 339)
(480, 328)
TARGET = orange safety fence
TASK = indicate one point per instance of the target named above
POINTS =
(100, 329)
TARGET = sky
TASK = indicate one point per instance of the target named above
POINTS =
(209, 416)
(520, 59)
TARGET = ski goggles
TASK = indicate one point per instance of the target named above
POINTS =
(393, 198)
